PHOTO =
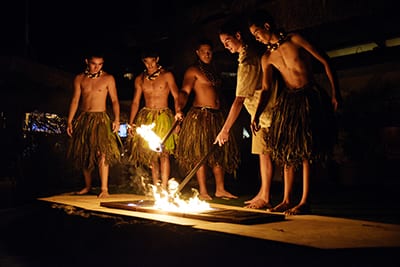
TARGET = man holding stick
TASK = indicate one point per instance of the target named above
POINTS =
(201, 125)
(155, 84)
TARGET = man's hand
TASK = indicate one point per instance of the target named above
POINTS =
(222, 138)
(255, 126)
(69, 129)
(115, 126)
(179, 116)
(131, 127)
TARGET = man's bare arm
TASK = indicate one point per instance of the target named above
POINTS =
(324, 61)
(137, 94)
(112, 91)
(233, 114)
(188, 83)
(175, 94)
(74, 104)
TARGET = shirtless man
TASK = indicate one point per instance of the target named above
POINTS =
(202, 122)
(155, 84)
(247, 95)
(296, 138)
(93, 137)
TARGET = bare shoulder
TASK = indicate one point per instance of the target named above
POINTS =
(296, 38)
(108, 76)
(167, 74)
(139, 78)
(192, 70)
(79, 76)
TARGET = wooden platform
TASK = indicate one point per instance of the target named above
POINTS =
(305, 230)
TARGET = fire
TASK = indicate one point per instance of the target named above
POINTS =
(170, 200)
(147, 133)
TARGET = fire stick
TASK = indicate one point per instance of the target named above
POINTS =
(195, 169)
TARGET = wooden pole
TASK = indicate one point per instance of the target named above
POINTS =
(195, 169)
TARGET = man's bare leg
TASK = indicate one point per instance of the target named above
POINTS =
(262, 199)
(303, 206)
(155, 171)
(201, 180)
(103, 172)
(165, 170)
(288, 180)
(220, 183)
(87, 174)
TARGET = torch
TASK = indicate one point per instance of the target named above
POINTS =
(174, 125)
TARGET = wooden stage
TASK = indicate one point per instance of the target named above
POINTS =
(313, 231)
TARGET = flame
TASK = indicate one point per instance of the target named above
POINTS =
(169, 200)
(146, 131)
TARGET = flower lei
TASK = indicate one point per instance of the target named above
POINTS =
(154, 75)
(274, 46)
(93, 75)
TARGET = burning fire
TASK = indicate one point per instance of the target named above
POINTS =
(170, 200)
(147, 133)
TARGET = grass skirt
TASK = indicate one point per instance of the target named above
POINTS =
(91, 138)
(196, 137)
(303, 126)
(138, 150)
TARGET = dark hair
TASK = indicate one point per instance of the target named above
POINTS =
(259, 18)
(204, 41)
(94, 52)
(231, 26)
(149, 52)
(237, 24)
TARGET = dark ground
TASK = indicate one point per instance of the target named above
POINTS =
(38, 234)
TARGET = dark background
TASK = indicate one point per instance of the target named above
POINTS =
(43, 44)
(41, 49)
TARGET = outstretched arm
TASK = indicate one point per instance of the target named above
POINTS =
(223, 135)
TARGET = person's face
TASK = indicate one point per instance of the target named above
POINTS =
(95, 64)
(151, 63)
(261, 34)
(232, 43)
(205, 53)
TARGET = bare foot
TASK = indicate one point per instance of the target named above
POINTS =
(205, 197)
(282, 207)
(257, 203)
(84, 191)
(299, 209)
(225, 194)
(258, 196)
(103, 194)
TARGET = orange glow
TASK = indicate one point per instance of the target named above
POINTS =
(146, 131)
